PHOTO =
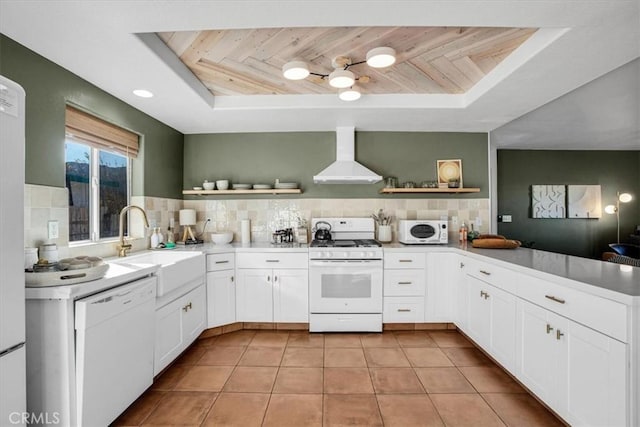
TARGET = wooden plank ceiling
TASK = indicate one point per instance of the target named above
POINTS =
(430, 60)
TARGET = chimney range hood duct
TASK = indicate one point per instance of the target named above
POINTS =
(345, 170)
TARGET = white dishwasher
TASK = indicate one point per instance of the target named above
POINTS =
(114, 350)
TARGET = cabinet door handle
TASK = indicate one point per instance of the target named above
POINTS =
(462, 265)
(486, 273)
(275, 278)
(404, 283)
(268, 278)
(232, 279)
(273, 260)
(549, 328)
(484, 295)
(556, 299)
(404, 310)
(559, 334)
(405, 260)
(187, 307)
(222, 262)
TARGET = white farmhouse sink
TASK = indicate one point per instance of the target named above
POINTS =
(176, 268)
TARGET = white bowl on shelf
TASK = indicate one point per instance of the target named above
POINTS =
(208, 185)
(222, 237)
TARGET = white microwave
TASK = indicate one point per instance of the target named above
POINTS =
(422, 232)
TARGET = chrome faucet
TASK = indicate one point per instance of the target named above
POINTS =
(123, 247)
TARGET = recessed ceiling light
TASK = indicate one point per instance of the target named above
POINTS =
(143, 93)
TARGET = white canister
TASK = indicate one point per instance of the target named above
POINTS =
(384, 233)
(245, 231)
(49, 252)
(30, 257)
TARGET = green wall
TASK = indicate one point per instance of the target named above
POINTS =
(297, 156)
(156, 172)
(612, 170)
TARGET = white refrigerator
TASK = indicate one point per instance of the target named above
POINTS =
(12, 301)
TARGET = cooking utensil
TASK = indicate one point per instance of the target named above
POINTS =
(322, 233)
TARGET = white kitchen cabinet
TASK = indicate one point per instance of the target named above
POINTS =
(254, 295)
(441, 272)
(577, 371)
(290, 295)
(404, 287)
(272, 287)
(221, 289)
(491, 320)
(178, 324)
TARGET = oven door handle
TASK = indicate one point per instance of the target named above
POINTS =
(353, 263)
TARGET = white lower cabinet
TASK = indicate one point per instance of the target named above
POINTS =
(439, 299)
(404, 286)
(579, 372)
(178, 324)
(221, 289)
(267, 294)
(491, 320)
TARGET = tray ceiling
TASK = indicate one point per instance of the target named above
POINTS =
(430, 60)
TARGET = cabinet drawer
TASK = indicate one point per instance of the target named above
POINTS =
(606, 316)
(497, 276)
(404, 260)
(217, 262)
(272, 260)
(403, 310)
(400, 282)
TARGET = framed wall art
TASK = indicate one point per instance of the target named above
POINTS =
(450, 173)
(548, 201)
(584, 201)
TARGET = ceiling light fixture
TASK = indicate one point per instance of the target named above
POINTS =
(341, 77)
(349, 93)
(381, 57)
(143, 93)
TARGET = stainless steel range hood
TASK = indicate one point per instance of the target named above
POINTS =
(345, 170)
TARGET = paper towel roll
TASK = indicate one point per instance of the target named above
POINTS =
(187, 217)
(245, 231)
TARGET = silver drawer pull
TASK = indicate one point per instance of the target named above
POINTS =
(222, 262)
(405, 260)
(485, 272)
(273, 260)
(404, 310)
(405, 283)
(556, 299)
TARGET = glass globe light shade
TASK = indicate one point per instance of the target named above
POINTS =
(610, 209)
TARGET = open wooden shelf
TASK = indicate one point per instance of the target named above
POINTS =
(429, 190)
(225, 192)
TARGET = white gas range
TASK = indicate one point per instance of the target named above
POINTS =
(345, 277)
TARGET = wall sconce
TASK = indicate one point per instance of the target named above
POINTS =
(615, 209)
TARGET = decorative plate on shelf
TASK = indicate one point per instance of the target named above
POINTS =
(286, 185)
(262, 186)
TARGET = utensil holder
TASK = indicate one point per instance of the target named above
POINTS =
(384, 233)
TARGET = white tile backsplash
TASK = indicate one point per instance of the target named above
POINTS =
(43, 203)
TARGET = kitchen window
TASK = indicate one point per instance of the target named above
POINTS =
(98, 175)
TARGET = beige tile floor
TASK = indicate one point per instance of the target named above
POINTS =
(253, 378)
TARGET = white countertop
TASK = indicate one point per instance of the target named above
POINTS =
(116, 275)
(609, 280)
